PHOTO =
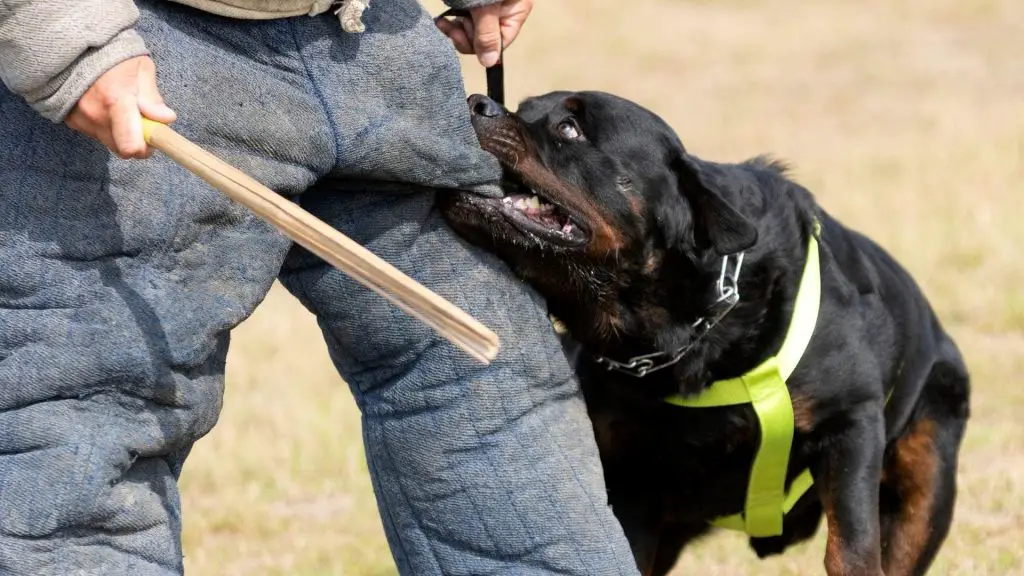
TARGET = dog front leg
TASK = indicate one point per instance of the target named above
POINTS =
(643, 528)
(847, 477)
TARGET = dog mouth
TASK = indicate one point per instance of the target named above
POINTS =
(530, 204)
(538, 217)
(535, 215)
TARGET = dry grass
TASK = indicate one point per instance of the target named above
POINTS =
(905, 117)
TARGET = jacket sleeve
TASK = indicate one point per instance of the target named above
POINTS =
(51, 51)
(469, 3)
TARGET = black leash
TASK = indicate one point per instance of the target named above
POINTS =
(496, 73)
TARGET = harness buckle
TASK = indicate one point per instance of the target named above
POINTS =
(728, 284)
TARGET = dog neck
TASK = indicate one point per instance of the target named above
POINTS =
(658, 310)
(741, 338)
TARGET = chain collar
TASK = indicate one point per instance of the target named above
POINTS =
(728, 289)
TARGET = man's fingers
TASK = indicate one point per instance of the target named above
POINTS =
(487, 34)
(82, 124)
(103, 136)
(513, 20)
(489, 26)
(126, 128)
(111, 110)
(456, 32)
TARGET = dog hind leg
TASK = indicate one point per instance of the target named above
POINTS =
(920, 475)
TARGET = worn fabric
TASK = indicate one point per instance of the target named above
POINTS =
(477, 470)
(51, 52)
(264, 9)
(120, 280)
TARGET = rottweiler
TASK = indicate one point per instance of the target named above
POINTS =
(671, 273)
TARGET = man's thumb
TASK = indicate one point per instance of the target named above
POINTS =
(151, 103)
(157, 111)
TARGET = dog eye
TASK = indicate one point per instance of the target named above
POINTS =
(569, 130)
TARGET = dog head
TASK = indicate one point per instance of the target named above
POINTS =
(598, 193)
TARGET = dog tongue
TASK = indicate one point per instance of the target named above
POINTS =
(548, 220)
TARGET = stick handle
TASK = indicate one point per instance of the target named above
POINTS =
(342, 252)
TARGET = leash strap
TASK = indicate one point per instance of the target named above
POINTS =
(496, 73)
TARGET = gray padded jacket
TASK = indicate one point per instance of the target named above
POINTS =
(51, 51)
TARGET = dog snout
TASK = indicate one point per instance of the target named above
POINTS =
(481, 105)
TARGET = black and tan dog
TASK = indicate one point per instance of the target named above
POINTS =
(672, 273)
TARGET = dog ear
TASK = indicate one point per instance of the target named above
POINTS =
(716, 224)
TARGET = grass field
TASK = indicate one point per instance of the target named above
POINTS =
(905, 117)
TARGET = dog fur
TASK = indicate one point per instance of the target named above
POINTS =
(627, 247)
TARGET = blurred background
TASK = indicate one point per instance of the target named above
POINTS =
(904, 117)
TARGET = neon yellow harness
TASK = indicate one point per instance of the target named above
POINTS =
(765, 387)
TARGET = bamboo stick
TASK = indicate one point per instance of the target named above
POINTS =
(340, 251)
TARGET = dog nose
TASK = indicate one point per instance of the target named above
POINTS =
(483, 106)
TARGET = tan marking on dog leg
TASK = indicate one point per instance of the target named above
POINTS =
(803, 413)
(834, 564)
(837, 561)
(913, 472)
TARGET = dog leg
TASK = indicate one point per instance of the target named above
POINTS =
(656, 541)
(848, 482)
(920, 476)
(674, 538)
(643, 529)
(799, 525)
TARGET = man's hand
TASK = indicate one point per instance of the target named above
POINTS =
(484, 32)
(111, 110)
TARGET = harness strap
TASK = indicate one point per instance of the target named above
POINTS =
(800, 485)
(495, 74)
(765, 388)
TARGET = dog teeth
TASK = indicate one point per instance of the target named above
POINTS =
(530, 204)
